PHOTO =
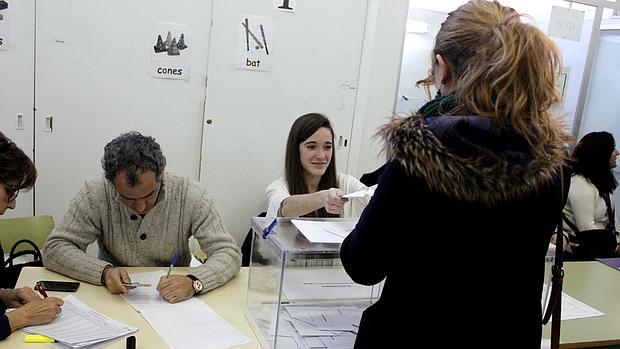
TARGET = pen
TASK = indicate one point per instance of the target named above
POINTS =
(172, 262)
(270, 228)
(135, 284)
(41, 290)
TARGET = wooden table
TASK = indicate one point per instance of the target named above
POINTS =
(228, 301)
(598, 286)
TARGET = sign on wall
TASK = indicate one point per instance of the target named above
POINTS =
(285, 5)
(5, 25)
(170, 52)
(566, 23)
(254, 43)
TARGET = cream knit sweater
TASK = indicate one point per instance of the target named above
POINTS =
(183, 209)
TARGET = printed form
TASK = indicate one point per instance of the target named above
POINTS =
(80, 325)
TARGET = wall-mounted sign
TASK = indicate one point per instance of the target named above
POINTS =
(566, 23)
(5, 25)
(285, 5)
(254, 43)
(171, 49)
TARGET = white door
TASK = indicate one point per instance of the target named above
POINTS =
(17, 85)
(93, 83)
(315, 56)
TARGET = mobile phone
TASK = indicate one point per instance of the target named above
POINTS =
(59, 286)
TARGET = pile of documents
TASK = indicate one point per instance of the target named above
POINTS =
(80, 326)
(332, 327)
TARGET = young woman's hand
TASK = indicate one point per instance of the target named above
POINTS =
(334, 202)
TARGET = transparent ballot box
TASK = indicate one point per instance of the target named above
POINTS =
(299, 295)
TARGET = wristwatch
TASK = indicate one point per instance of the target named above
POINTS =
(196, 284)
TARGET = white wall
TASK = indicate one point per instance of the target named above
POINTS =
(378, 81)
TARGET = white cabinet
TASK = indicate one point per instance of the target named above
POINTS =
(17, 86)
(93, 79)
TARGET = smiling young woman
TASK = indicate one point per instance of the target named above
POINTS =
(311, 187)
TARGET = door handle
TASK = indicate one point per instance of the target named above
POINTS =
(49, 123)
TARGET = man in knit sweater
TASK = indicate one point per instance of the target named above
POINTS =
(140, 216)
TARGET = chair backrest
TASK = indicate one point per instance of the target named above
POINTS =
(35, 228)
(246, 247)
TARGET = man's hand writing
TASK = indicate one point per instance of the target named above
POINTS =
(175, 288)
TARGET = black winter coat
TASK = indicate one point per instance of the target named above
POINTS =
(458, 228)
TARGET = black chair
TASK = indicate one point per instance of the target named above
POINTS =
(246, 248)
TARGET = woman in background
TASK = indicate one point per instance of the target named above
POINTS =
(17, 172)
(471, 187)
(589, 211)
(310, 186)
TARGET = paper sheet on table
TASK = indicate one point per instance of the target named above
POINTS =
(141, 297)
(181, 325)
(192, 324)
(325, 231)
(80, 325)
(572, 308)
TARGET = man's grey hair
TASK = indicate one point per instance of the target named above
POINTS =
(133, 153)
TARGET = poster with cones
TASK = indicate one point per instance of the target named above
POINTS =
(170, 51)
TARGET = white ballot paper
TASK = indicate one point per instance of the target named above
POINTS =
(325, 231)
(370, 191)
(188, 324)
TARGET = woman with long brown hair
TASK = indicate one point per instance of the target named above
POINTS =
(311, 187)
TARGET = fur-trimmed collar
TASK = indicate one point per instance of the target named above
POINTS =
(469, 157)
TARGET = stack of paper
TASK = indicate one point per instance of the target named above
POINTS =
(322, 326)
(79, 326)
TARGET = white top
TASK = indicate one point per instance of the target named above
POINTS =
(277, 191)
(585, 207)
